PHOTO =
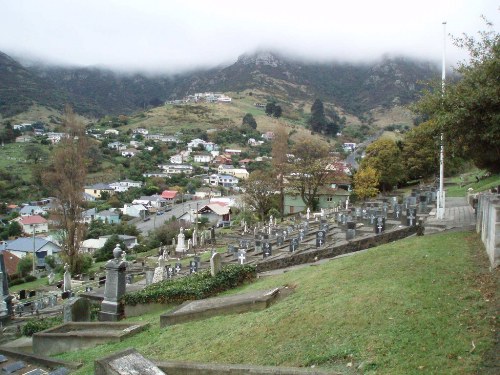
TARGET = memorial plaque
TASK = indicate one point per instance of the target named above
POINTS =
(294, 244)
(320, 238)
(266, 249)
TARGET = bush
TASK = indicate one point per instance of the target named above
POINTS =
(198, 286)
(38, 325)
(29, 278)
(17, 282)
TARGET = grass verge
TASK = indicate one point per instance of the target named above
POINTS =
(420, 305)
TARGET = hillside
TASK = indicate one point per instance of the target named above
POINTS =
(354, 89)
(408, 307)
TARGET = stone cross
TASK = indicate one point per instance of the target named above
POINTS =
(67, 278)
(308, 215)
(242, 257)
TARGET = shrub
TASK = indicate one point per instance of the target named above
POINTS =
(197, 286)
(17, 282)
(38, 325)
(29, 278)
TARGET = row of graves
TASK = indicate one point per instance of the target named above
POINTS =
(329, 227)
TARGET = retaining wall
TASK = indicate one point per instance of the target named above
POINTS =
(488, 225)
(345, 247)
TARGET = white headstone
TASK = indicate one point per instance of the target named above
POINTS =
(67, 278)
(181, 244)
(215, 264)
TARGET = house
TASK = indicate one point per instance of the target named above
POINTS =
(245, 162)
(177, 158)
(210, 146)
(108, 216)
(129, 241)
(240, 173)
(207, 193)
(34, 223)
(253, 142)
(268, 136)
(88, 198)
(202, 158)
(89, 215)
(91, 245)
(125, 185)
(134, 210)
(10, 260)
(30, 210)
(40, 246)
(162, 138)
(223, 160)
(176, 168)
(169, 195)
(232, 151)
(129, 152)
(112, 131)
(55, 137)
(328, 197)
(349, 146)
(217, 213)
(97, 190)
(224, 180)
(140, 131)
(194, 143)
(24, 139)
(153, 201)
(118, 146)
(156, 174)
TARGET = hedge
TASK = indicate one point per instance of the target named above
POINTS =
(196, 286)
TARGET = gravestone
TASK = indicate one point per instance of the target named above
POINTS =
(266, 249)
(258, 246)
(32, 293)
(294, 244)
(76, 309)
(197, 259)
(22, 294)
(320, 238)
(397, 212)
(243, 244)
(66, 295)
(279, 241)
(114, 289)
(351, 230)
(242, 256)
(149, 273)
(178, 267)
(411, 217)
(215, 264)
(170, 271)
(67, 278)
(181, 242)
(193, 266)
(379, 225)
(127, 362)
(231, 249)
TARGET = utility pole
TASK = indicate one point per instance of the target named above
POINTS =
(441, 194)
(34, 250)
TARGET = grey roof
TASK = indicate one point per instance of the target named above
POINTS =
(99, 186)
(25, 244)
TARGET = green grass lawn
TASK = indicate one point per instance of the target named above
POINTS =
(469, 181)
(414, 306)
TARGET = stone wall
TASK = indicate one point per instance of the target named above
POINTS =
(488, 225)
(330, 251)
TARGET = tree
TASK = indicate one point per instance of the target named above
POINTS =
(106, 252)
(35, 153)
(25, 265)
(270, 106)
(65, 178)
(366, 182)
(277, 111)
(384, 156)
(279, 162)
(468, 112)
(317, 120)
(312, 168)
(260, 192)
(249, 120)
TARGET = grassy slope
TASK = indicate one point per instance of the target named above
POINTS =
(402, 308)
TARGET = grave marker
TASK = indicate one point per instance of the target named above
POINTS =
(320, 238)
(215, 264)
(294, 244)
(266, 249)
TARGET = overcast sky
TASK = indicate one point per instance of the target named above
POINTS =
(173, 35)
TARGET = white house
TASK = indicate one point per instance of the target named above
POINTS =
(112, 131)
(129, 152)
(195, 143)
(176, 168)
(202, 158)
(121, 186)
(31, 210)
(222, 180)
(153, 201)
(140, 131)
(118, 146)
(134, 210)
(33, 224)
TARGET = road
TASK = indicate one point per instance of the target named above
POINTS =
(351, 158)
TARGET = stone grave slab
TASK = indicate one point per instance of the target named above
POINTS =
(195, 310)
(127, 362)
(13, 367)
(78, 335)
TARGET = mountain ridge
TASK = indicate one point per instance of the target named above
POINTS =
(357, 88)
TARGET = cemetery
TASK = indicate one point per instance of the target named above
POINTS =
(215, 263)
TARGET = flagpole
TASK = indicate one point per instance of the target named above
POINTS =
(441, 194)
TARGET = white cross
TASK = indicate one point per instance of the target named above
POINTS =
(242, 258)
